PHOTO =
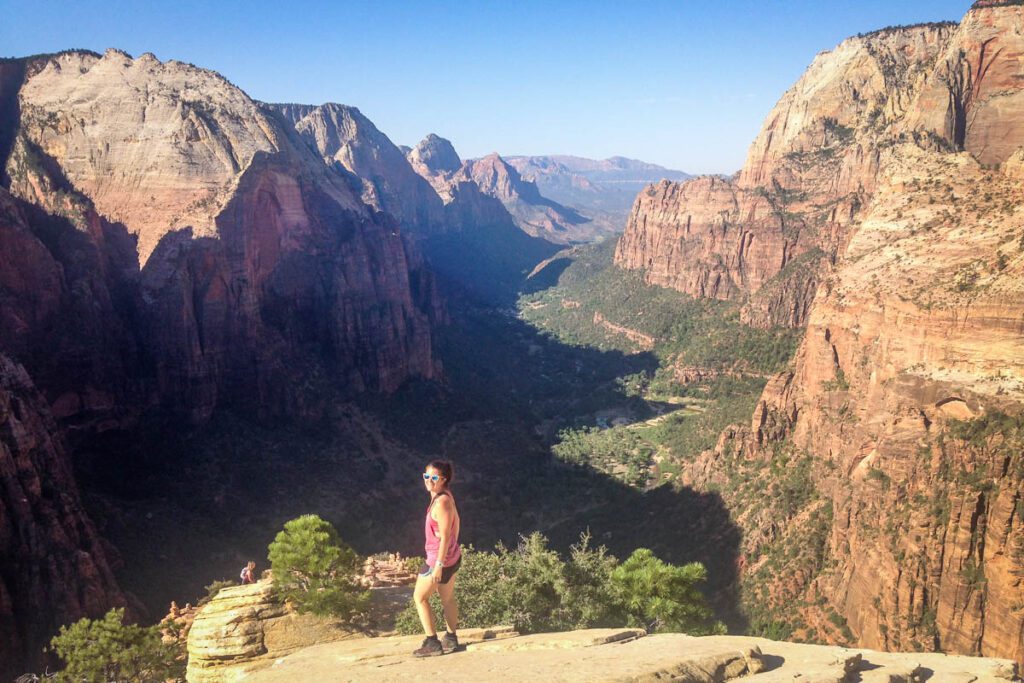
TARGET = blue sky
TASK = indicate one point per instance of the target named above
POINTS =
(685, 84)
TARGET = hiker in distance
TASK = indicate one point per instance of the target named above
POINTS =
(441, 529)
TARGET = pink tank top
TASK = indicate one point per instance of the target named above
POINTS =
(433, 538)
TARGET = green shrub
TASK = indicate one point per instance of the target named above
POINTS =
(533, 589)
(661, 596)
(315, 570)
(108, 651)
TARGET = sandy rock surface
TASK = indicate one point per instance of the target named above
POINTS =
(619, 655)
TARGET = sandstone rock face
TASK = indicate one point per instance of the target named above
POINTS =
(467, 236)
(903, 418)
(535, 215)
(342, 135)
(973, 99)
(66, 279)
(169, 246)
(434, 155)
(260, 266)
(243, 629)
(483, 247)
(892, 450)
(806, 177)
(920, 326)
(55, 568)
(156, 146)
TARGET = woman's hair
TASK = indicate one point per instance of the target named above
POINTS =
(445, 468)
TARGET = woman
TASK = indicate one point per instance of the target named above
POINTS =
(441, 528)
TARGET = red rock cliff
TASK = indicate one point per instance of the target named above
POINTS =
(805, 179)
(892, 451)
(55, 569)
(260, 268)
(169, 246)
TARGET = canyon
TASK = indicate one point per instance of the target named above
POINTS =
(176, 256)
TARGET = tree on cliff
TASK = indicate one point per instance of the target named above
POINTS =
(661, 596)
(109, 651)
(315, 570)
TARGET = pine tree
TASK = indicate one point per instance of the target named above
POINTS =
(315, 570)
(108, 651)
(660, 596)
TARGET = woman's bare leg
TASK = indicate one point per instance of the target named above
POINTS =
(448, 602)
(421, 596)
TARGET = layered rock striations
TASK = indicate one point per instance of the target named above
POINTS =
(892, 451)
(806, 178)
(972, 98)
(244, 628)
(906, 388)
(258, 267)
(155, 146)
(55, 568)
(170, 248)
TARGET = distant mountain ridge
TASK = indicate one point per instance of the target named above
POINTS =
(602, 189)
(556, 172)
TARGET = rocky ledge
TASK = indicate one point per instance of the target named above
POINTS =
(620, 655)
(243, 634)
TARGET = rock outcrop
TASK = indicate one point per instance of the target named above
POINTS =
(260, 267)
(55, 568)
(468, 237)
(483, 248)
(433, 156)
(973, 97)
(913, 352)
(342, 135)
(243, 628)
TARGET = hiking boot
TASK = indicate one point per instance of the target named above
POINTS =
(431, 648)
(450, 643)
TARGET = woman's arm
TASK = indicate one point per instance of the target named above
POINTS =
(443, 509)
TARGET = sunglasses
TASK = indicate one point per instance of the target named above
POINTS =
(431, 477)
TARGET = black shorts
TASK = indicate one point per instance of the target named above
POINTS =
(446, 572)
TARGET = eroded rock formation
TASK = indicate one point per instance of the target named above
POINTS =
(259, 265)
(806, 178)
(171, 247)
(892, 451)
(244, 628)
